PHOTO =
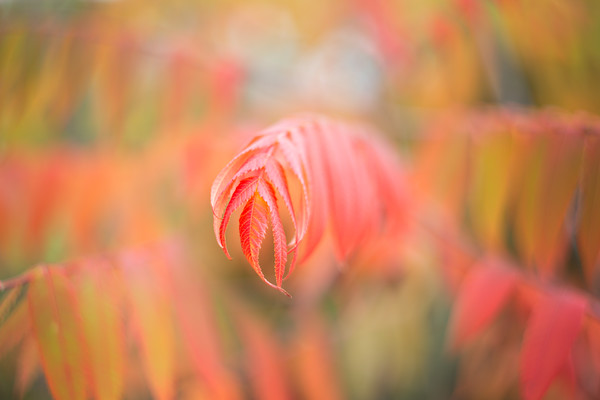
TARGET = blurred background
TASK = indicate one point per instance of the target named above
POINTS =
(116, 115)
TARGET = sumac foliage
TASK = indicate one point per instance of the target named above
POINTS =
(527, 180)
(349, 181)
(453, 252)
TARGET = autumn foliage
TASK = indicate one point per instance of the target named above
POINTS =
(347, 179)
(430, 229)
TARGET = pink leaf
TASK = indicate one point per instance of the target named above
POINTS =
(551, 332)
(482, 295)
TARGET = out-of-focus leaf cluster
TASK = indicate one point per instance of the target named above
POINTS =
(115, 116)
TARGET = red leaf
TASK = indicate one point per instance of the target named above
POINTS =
(318, 202)
(482, 295)
(279, 240)
(276, 176)
(343, 189)
(225, 178)
(46, 194)
(387, 174)
(243, 193)
(293, 150)
(551, 332)
(253, 229)
(255, 162)
(331, 161)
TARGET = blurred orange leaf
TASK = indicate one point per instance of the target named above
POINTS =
(99, 304)
(28, 365)
(315, 366)
(147, 293)
(265, 363)
(56, 328)
(589, 231)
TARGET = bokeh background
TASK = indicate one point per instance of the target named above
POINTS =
(116, 115)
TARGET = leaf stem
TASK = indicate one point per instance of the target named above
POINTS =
(16, 281)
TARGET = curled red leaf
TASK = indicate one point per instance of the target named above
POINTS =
(346, 177)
